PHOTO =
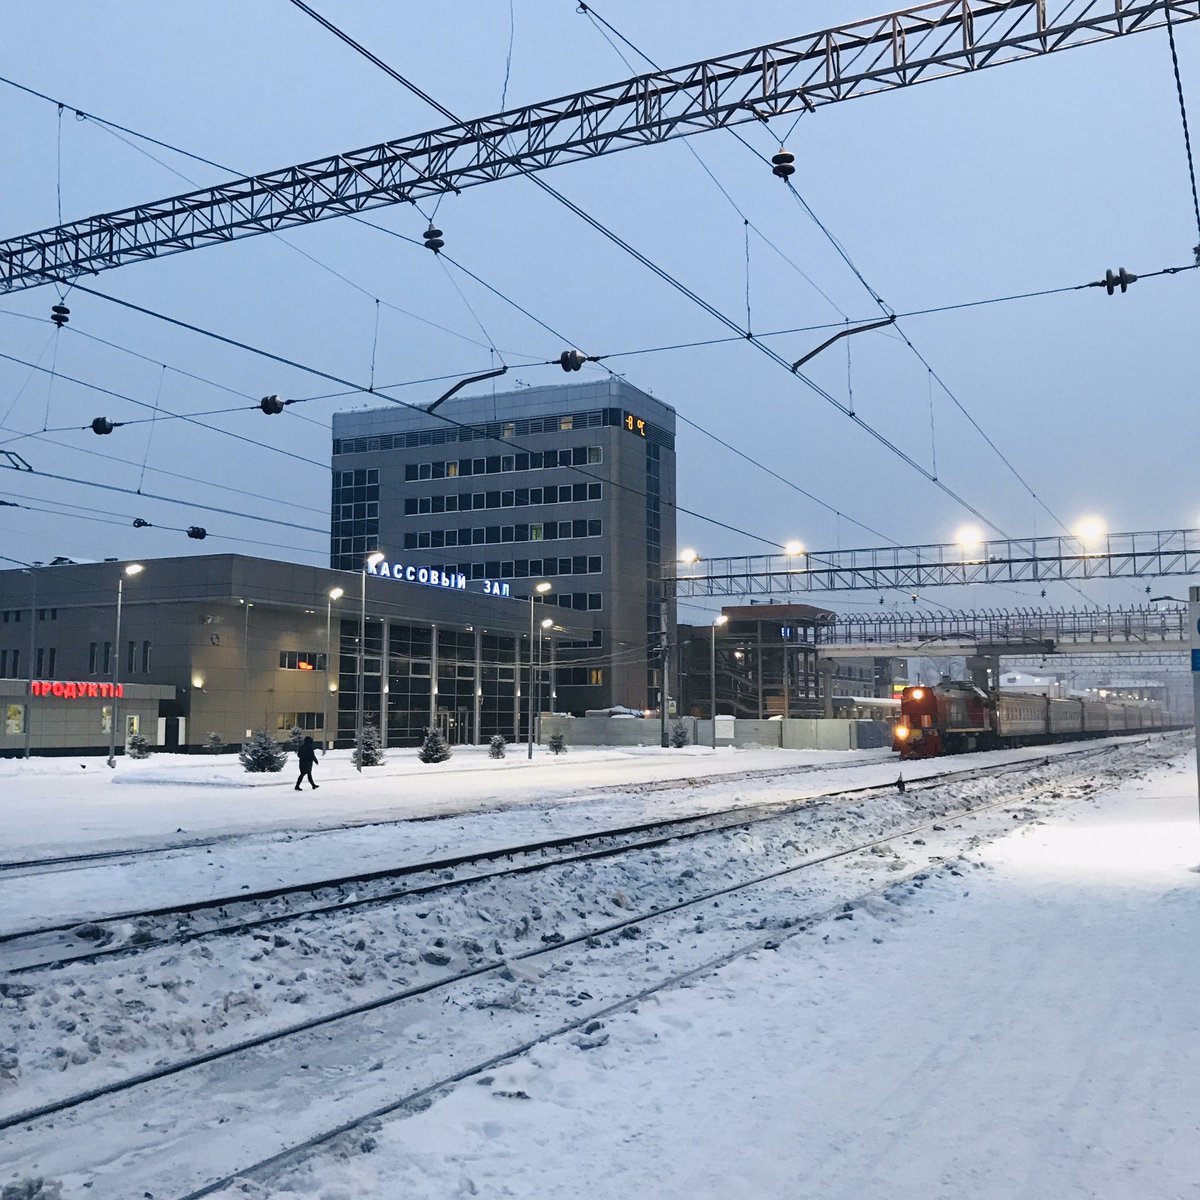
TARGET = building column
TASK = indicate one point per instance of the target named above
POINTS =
(517, 688)
(758, 659)
(385, 649)
(433, 676)
(479, 687)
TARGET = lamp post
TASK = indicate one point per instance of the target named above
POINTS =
(539, 589)
(373, 560)
(334, 594)
(712, 673)
(131, 570)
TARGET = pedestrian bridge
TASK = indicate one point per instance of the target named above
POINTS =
(1005, 632)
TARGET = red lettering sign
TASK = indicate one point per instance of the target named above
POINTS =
(63, 689)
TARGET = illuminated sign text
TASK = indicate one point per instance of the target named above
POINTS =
(76, 690)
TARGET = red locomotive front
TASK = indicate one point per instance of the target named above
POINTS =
(918, 732)
(942, 720)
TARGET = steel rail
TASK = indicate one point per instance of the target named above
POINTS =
(180, 1065)
(777, 937)
(898, 49)
(668, 830)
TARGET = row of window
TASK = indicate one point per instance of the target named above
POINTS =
(496, 464)
(466, 433)
(579, 676)
(528, 568)
(486, 535)
(100, 658)
(362, 477)
(301, 660)
(13, 615)
(568, 493)
(299, 720)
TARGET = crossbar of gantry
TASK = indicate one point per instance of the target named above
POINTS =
(899, 49)
(1004, 632)
(912, 568)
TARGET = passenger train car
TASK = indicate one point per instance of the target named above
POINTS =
(955, 717)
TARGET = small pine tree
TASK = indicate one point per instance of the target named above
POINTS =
(262, 753)
(557, 743)
(214, 743)
(295, 738)
(434, 748)
(372, 747)
(497, 746)
(679, 735)
(137, 746)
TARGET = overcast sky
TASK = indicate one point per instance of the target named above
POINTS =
(1034, 175)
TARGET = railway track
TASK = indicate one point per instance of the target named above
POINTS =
(16, 868)
(135, 931)
(358, 1032)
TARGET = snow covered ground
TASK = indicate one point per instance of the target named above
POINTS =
(1015, 1021)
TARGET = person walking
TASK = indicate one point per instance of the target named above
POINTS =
(307, 754)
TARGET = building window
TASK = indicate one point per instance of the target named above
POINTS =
(92, 658)
(596, 676)
(300, 720)
(146, 648)
(130, 658)
(301, 660)
(107, 670)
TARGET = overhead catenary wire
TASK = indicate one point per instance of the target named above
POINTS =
(659, 271)
(1187, 137)
(176, 149)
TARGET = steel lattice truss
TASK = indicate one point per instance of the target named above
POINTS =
(994, 631)
(915, 45)
(914, 568)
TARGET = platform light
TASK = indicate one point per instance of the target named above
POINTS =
(793, 548)
(969, 537)
(688, 557)
(1090, 529)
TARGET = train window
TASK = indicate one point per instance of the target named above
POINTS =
(926, 720)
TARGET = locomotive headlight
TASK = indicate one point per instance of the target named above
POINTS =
(901, 732)
(918, 694)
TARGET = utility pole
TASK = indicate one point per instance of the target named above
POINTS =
(664, 689)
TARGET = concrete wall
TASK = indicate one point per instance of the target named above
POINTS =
(795, 734)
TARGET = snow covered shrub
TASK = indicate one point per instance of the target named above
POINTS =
(295, 738)
(137, 746)
(679, 735)
(434, 748)
(262, 753)
(214, 743)
(497, 746)
(557, 743)
(372, 748)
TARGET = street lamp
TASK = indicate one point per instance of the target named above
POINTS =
(334, 594)
(793, 548)
(712, 673)
(539, 589)
(131, 570)
(373, 560)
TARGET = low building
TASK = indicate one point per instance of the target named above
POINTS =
(226, 645)
(768, 664)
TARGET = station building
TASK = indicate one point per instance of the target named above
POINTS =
(226, 644)
(573, 485)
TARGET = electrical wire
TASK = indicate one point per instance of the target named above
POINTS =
(1187, 138)
(678, 285)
